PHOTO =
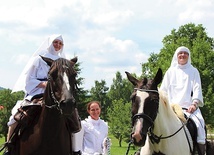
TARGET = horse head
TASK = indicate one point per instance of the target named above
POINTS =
(60, 90)
(145, 104)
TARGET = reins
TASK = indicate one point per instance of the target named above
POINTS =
(156, 139)
(57, 103)
(129, 145)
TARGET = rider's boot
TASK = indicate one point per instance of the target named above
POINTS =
(6, 152)
(9, 134)
(202, 148)
(77, 153)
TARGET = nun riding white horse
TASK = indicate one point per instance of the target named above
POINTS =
(156, 127)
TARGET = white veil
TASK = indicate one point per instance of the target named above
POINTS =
(43, 49)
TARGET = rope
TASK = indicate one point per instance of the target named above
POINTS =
(108, 143)
(3, 146)
(129, 145)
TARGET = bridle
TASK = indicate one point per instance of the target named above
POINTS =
(142, 115)
(56, 104)
(153, 137)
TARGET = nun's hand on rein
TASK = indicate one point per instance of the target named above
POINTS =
(42, 84)
(192, 108)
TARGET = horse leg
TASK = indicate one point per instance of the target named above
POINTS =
(210, 147)
(201, 149)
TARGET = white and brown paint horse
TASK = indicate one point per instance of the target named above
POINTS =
(156, 128)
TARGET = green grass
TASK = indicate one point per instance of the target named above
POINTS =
(115, 149)
(2, 140)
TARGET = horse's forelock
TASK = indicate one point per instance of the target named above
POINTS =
(144, 81)
(62, 64)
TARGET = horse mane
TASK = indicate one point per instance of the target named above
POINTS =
(164, 104)
(163, 98)
(61, 62)
(171, 107)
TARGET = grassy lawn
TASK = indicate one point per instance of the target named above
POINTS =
(115, 149)
(1, 142)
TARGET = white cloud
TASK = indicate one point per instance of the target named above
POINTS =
(107, 36)
(20, 59)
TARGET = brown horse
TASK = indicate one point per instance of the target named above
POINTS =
(50, 133)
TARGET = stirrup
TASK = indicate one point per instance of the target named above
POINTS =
(77, 152)
(6, 152)
(5, 147)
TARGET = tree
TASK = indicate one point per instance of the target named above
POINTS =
(81, 95)
(7, 100)
(99, 93)
(120, 89)
(120, 120)
(119, 112)
(202, 55)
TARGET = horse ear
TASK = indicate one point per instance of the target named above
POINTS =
(74, 60)
(47, 60)
(158, 76)
(132, 79)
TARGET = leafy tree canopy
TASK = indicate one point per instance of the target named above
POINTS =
(202, 56)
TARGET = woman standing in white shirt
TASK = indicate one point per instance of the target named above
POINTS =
(91, 139)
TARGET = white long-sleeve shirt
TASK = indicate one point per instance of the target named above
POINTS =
(37, 72)
(90, 139)
(180, 82)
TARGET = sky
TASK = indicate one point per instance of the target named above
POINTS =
(106, 35)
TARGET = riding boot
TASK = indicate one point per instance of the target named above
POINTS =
(77, 153)
(202, 149)
(6, 152)
(9, 136)
(10, 131)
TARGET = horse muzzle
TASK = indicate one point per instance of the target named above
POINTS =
(139, 138)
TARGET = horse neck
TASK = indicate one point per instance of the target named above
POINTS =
(166, 124)
(166, 120)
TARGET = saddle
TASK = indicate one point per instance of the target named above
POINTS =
(26, 114)
(26, 117)
(190, 124)
(191, 134)
(29, 110)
